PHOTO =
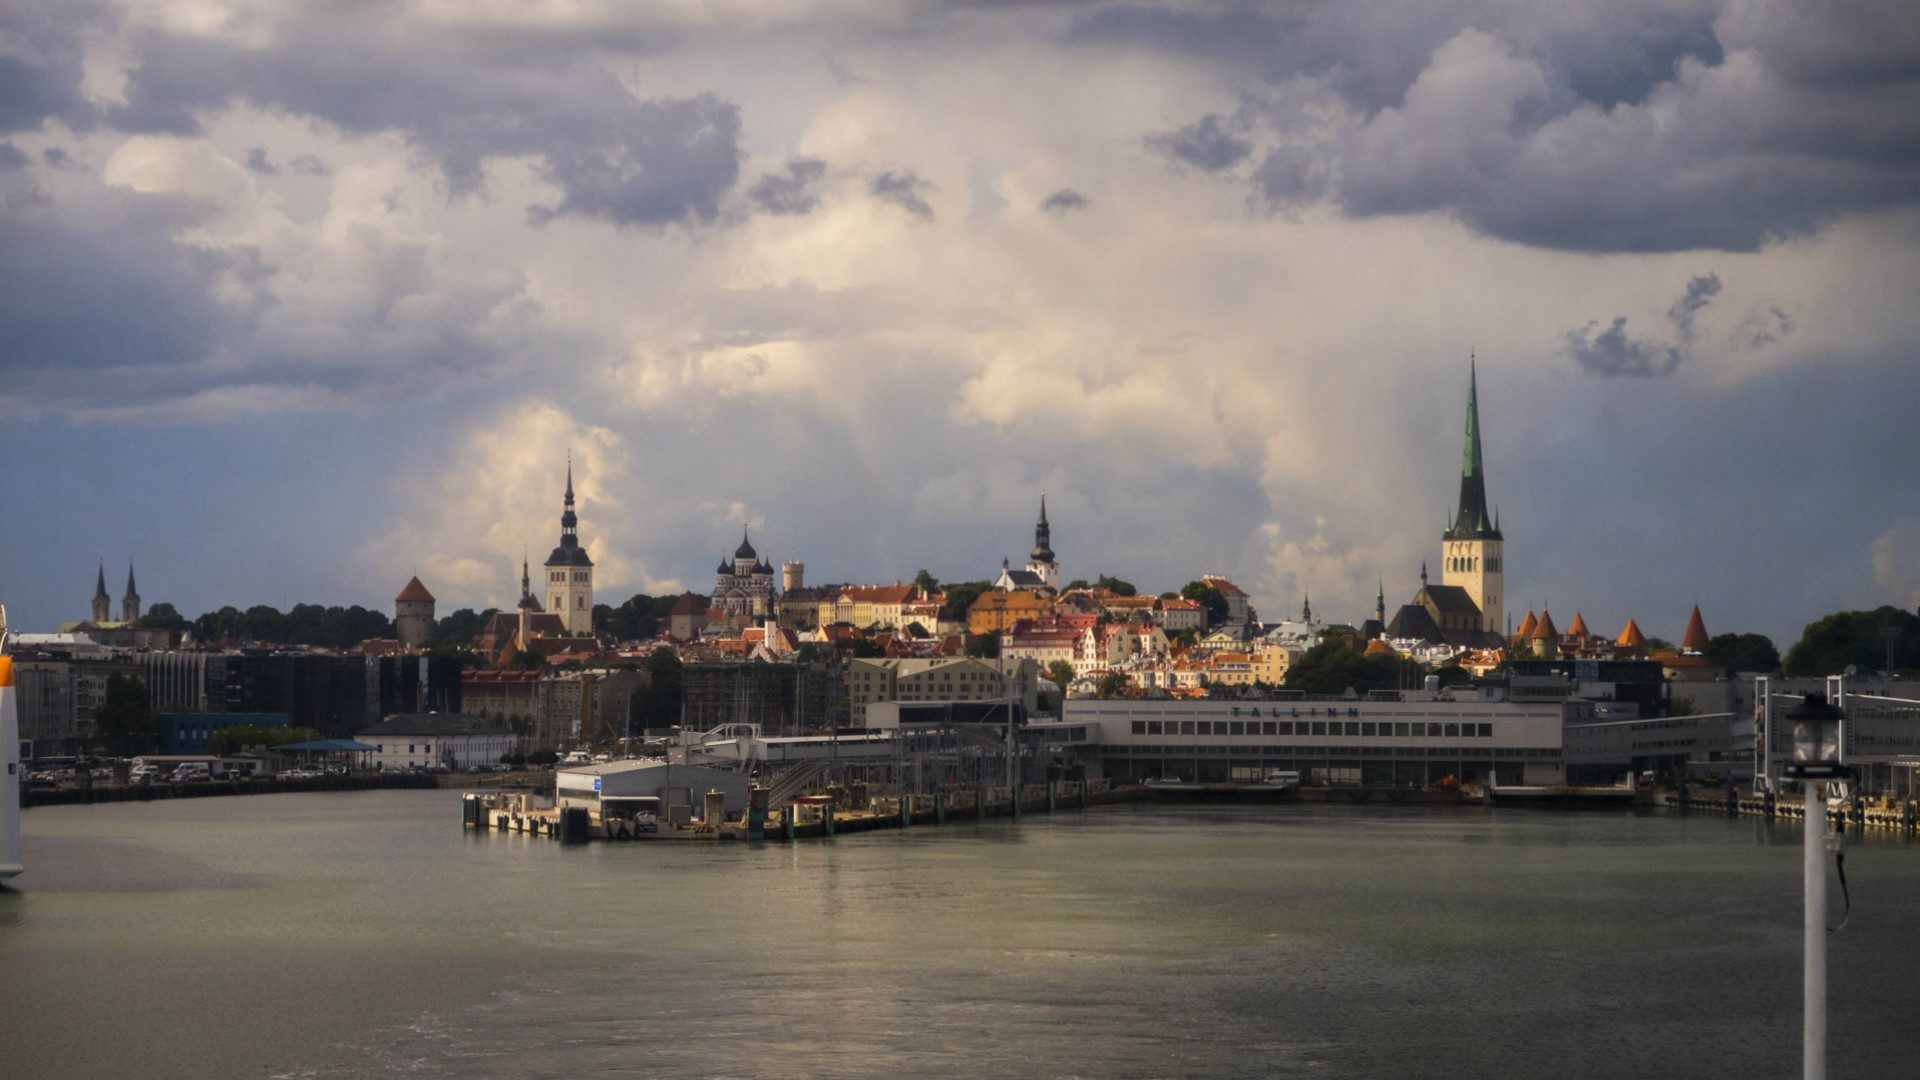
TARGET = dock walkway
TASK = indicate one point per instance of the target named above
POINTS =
(517, 813)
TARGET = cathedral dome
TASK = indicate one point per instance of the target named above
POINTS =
(745, 550)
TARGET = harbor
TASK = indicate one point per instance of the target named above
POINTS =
(1168, 938)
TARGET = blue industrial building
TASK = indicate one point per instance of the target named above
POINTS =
(187, 733)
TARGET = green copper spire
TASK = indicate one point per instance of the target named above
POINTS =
(1471, 519)
(1470, 454)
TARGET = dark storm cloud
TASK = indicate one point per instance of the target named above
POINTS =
(792, 189)
(257, 161)
(902, 188)
(1206, 144)
(664, 161)
(615, 157)
(1613, 352)
(1765, 326)
(41, 56)
(1647, 126)
(1700, 292)
(1062, 201)
(100, 282)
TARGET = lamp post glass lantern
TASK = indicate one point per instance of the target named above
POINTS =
(1816, 739)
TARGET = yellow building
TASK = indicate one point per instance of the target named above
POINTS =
(996, 611)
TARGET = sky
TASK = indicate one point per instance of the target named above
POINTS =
(300, 299)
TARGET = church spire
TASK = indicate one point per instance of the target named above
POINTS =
(131, 591)
(1472, 521)
(1380, 600)
(100, 583)
(1042, 536)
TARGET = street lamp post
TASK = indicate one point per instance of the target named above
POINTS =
(1816, 760)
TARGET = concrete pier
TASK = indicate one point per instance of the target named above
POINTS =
(516, 813)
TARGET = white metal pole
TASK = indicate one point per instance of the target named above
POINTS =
(1813, 1021)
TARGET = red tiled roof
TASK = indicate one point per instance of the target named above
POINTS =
(1545, 629)
(688, 604)
(414, 591)
(1696, 636)
(1630, 635)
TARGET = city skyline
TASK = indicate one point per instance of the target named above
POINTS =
(280, 332)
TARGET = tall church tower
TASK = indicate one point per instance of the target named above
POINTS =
(1471, 547)
(130, 603)
(102, 603)
(570, 572)
(1040, 559)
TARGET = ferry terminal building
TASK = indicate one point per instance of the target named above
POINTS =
(1394, 738)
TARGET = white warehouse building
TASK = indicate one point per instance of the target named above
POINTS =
(436, 740)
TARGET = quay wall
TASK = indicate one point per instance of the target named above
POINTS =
(104, 793)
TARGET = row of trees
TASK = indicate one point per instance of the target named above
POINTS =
(306, 624)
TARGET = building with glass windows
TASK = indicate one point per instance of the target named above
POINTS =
(1392, 738)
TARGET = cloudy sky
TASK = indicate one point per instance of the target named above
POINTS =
(297, 299)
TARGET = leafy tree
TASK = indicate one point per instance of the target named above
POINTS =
(162, 616)
(1744, 652)
(1832, 643)
(640, 617)
(866, 648)
(262, 622)
(657, 704)
(1078, 583)
(1210, 598)
(229, 740)
(463, 626)
(529, 660)
(1333, 667)
(926, 582)
(1115, 586)
(215, 625)
(1061, 673)
(1111, 685)
(960, 598)
(123, 720)
(985, 646)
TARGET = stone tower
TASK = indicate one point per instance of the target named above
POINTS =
(570, 572)
(793, 575)
(413, 614)
(102, 603)
(130, 603)
(1040, 560)
(1471, 556)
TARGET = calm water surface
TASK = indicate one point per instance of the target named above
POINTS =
(365, 934)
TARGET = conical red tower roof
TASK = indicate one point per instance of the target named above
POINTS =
(1526, 626)
(1696, 636)
(1578, 627)
(1631, 637)
(1545, 629)
(414, 591)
